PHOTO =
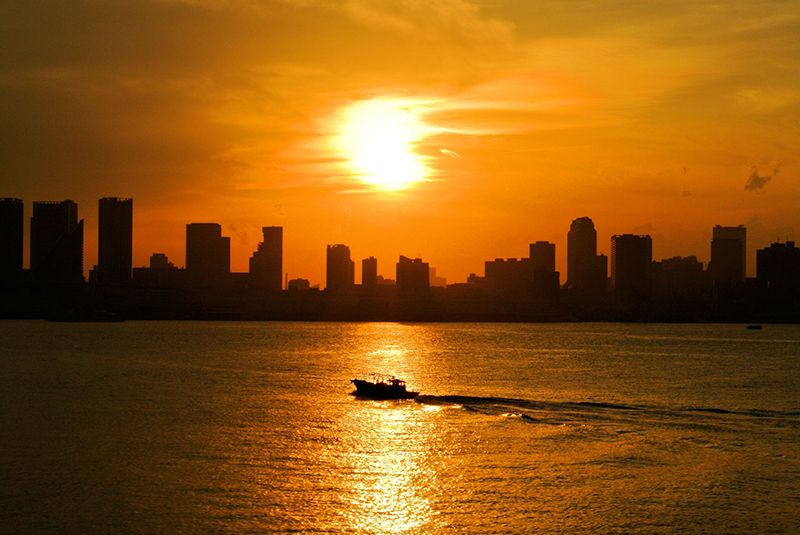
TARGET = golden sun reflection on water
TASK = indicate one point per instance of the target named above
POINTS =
(395, 444)
(392, 475)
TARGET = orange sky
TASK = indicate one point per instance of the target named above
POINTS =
(514, 117)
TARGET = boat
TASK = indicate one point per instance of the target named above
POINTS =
(382, 387)
(754, 327)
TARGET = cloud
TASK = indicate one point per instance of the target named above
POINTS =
(757, 182)
(240, 231)
(451, 153)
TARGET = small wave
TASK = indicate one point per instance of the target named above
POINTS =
(753, 413)
(606, 406)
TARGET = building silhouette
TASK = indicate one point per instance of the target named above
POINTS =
(679, 276)
(545, 276)
(581, 249)
(161, 272)
(266, 264)
(435, 280)
(369, 272)
(509, 277)
(56, 242)
(208, 255)
(160, 261)
(543, 256)
(413, 276)
(587, 272)
(728, 256)
(298, 285)
(11, 240)
(778, 268)
(114, 240)
(340, 273)
(631, 261)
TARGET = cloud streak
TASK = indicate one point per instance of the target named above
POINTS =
(757, 182)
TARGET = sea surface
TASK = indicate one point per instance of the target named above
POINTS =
(203, 427)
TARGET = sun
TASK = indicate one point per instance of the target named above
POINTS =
(378, 137)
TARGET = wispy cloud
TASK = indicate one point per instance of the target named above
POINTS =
(757, 182)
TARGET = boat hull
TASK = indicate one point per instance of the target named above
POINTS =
(366, 389)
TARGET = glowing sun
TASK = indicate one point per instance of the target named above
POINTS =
(378, 137)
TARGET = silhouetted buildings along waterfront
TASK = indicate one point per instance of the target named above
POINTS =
(208, 255)
(369, 272)
(631, 262)
(340, 274)
(587, 272)
(11, 239)
(114, 240)
(728, 255)
(266, 264)
(56, 242)
(524, 289)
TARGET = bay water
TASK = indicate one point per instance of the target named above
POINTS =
(206, 427)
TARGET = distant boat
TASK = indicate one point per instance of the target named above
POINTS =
(381, 387)
(754, 327)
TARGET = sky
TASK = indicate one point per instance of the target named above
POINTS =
(451, 130)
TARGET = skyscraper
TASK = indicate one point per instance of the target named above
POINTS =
(340, 270)
(631, 265)
(778, 268)
(266, 264)
(208, 255)
(413, 276)
(545, 276)
(587, 272)
(728, 264)
(11, 228)
(369, 272)
(114, 240)
(581, 249)
(56, 242)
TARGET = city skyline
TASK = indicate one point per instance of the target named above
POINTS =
(141, 258)
(446, 130)
(208, 254)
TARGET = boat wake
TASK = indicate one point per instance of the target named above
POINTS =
(581, 412)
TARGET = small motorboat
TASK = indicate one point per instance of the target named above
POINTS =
(382, 387)
(754, 327)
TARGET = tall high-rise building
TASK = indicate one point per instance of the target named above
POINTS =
(11, 229)
(545, 276)
(56, 242)
(266, 264)
(208, 255)
(778, 268)
(340, 270)
(631, 268)
(581, 249)
(728, 264)
(369, 272)
(114, 240)
(413, 276)
(587, 272)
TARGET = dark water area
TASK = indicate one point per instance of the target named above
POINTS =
(203, 427)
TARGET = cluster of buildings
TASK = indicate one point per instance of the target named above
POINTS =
(629, 286)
